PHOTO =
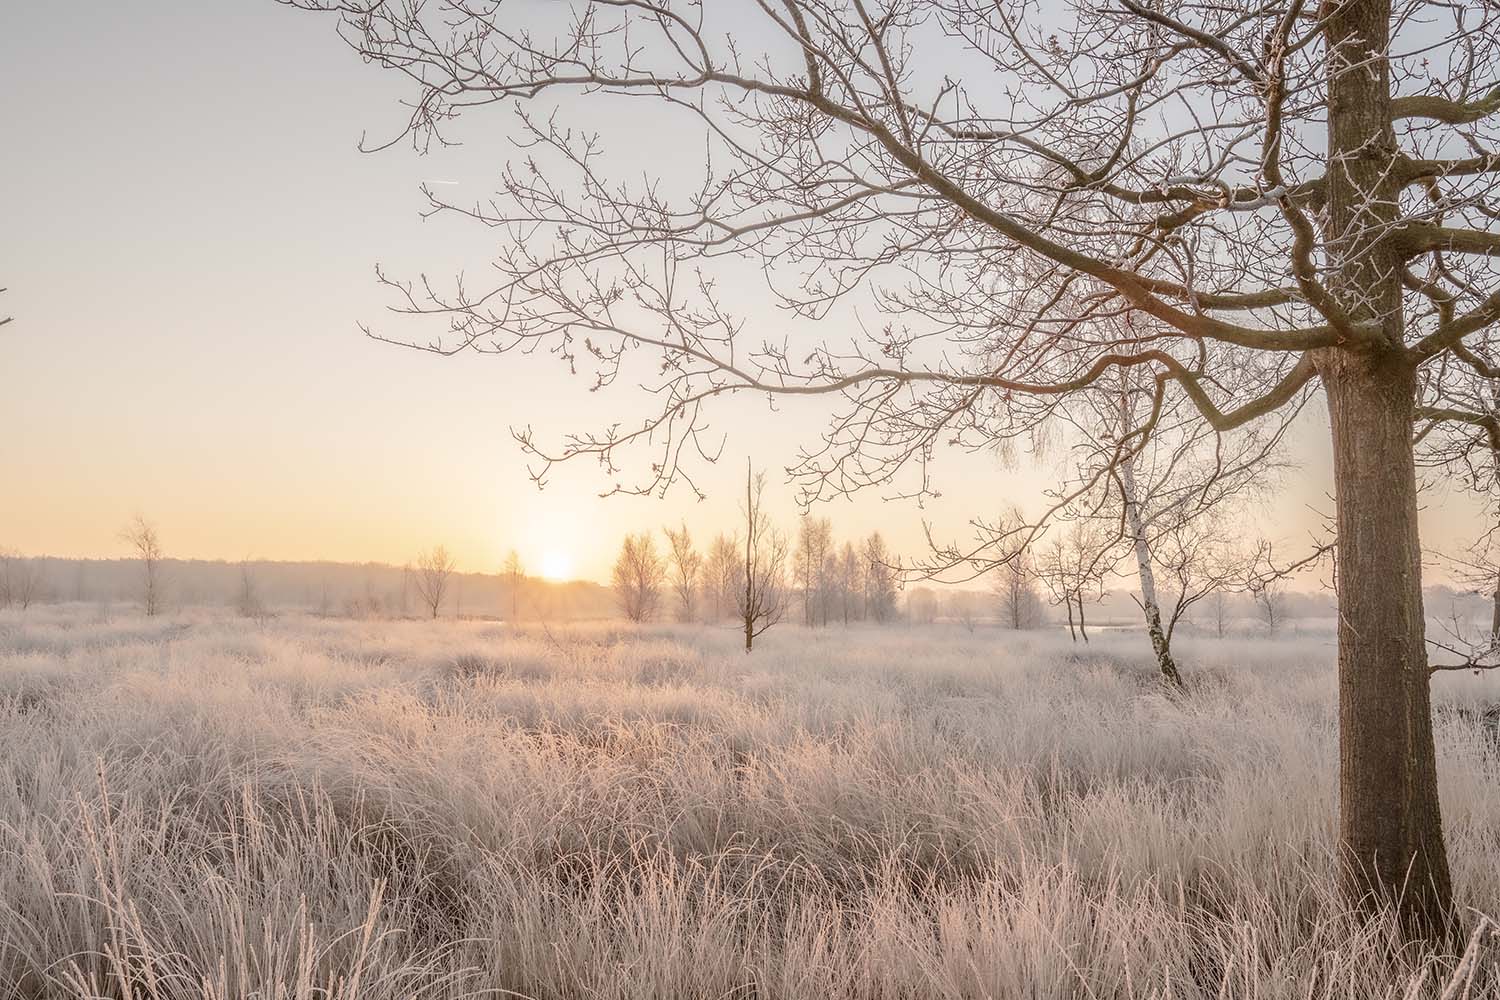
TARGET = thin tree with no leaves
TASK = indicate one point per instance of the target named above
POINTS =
(142, 537)
(814, 543)
(762, 598)
(515, 579)
(433, 573)
(1071, 567)
(248, 602)
(22, 580)
(638, 577)
(721, 574)
(685, 563)
(879, 574)
(1015, 591)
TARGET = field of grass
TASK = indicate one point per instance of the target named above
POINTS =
(201, 806)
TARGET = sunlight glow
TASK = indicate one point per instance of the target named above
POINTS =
(557, 566)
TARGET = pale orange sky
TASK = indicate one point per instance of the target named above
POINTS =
(190, 239)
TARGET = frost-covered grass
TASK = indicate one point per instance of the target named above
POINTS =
(206, 807)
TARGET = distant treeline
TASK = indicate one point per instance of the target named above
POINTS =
(328, 588)
(381, 590)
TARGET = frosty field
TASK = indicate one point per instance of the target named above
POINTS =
(204, 806)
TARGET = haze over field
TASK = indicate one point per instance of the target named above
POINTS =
(572, 499)
(188, 264)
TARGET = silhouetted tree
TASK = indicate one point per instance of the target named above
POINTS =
(638, 577)
(850, 576)
(685, 564)
(1199, 559)
(433, 574)
(880, 580)
(762, 598)
(141, 535)
(7, 574)
(963, 608)
(721, 574)
(1218, 612)
(814, 540)
(248, 602)
(1015, 590)
(515, 579)
(922, 606)
(21, 580)
(1072, 567)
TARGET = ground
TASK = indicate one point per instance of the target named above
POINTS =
(206, 806)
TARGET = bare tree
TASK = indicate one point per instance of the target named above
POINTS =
(850, 583)
(1015, 590)
(721, 575)
(4, 319)
(515, 579)
(1270, 601)
(1016, 576)
(22, 580)
(1284, 197)
(433, 573)
(880, 579)
(248, 602)
(1071, 567)
(30, 583)
(762, 597)
(685, 564)
(1218, 610)
(638, 578)
(142, 537)
(922, 606)
(963, 608)
(7, 574)
(814, 542)
(1268, 593)
(1199, 560)
(1157, 494)
(1477, 569)
(1265, 581)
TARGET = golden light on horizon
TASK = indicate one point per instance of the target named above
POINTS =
(557, 566)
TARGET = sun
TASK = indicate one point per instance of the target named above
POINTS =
(557, 566)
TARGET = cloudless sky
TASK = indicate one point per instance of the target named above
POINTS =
(190, 236)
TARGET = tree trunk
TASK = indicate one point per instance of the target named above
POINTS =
(1390, 827)
(1159, 642)
(1068, 603)
(1083, 625)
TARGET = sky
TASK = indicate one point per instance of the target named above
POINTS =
(190, 241)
